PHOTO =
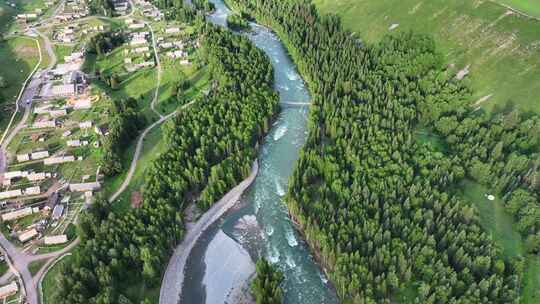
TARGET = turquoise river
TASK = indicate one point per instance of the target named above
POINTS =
(222, 261)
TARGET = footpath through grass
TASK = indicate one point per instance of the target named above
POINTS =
(500, 47)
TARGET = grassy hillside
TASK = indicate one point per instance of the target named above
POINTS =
(501, 48)
(530, 7)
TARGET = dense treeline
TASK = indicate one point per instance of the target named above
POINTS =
(211, 147)
(266, 285)
(102, 43)
(124, 125)
(377, 206)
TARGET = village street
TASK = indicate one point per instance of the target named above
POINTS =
(19, 259)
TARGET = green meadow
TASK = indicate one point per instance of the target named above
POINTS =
(500, 48)
(529, 7)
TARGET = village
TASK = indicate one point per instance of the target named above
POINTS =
(52, 162)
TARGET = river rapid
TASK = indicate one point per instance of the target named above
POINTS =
(222, 261)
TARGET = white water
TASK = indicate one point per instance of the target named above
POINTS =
(280, 132)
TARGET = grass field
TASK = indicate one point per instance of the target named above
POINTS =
(502, 49)
(531, 280)
(18, 57)
(529, 7)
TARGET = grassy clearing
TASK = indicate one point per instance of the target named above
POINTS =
(425, 136)
(501, 48)
(494, 219)
(49, 283)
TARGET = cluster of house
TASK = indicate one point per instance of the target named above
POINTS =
(51, 207)
(10, 177)
(66, 79)
(72, 10)
(31, 16)
(69, 33)
(149, 10)
(139, 47)
(172, 45)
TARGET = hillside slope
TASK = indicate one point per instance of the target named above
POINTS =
(500, 47)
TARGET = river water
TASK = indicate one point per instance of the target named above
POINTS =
(223, 259)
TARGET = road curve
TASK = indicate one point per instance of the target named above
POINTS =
(138, 150)
(173, 280)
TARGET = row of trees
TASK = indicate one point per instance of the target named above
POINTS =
(266, 285)
(124, 125)
(182, 11)
(210, 148)
(377, 205)
(101, 7)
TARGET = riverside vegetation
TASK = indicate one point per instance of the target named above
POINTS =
(209, 150)
(266, 285)
(380, 209)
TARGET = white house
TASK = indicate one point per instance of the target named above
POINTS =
(85, 124)
(28, 235)
(13, 215)
(23, 157)
(13, 174)
(83, 187)
(172, 30)
(136, 26)
(73, 143)
(44, 124)
(34, 177)
(40, 155)
(10, 193)
(32, 190)
(58, 160)
(55, 239)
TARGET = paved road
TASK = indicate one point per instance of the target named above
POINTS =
(158, 65)
(171, 286)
